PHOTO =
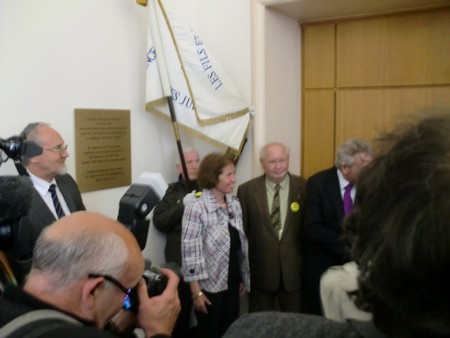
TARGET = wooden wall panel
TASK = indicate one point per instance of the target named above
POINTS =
(319, 44)
(408, 49)
(387, 67)
(318, 131)
(367, 112)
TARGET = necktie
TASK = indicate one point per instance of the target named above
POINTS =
(275, 213)
(348, 203)
(58, 208)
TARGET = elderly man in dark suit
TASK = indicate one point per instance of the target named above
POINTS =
(55, 192)
(271, 206)
(329, 196)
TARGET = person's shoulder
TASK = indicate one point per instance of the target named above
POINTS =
(252, 182)
(65, 179)
(76, 331)
(323, 174)
(297, 178)
(277, 324)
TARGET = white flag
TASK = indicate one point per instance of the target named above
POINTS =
(205, 100)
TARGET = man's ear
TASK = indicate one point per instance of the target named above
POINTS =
(33, 159)
(179, 168)
(89, 291)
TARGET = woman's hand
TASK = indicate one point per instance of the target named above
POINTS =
(201, 302)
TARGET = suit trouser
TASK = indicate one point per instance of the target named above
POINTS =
(280, 299)
(182, 327)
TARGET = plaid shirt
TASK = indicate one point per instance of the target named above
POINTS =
(205, 245)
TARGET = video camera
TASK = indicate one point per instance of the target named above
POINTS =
(17, 147)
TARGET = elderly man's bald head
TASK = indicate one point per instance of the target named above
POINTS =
(88, 221)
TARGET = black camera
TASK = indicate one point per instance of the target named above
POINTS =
(155, 280)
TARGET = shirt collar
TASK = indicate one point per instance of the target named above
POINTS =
(283, 184)
(342, 181)
(41, 185)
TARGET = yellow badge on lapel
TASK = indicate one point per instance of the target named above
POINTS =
(295, 207)
(198, 194)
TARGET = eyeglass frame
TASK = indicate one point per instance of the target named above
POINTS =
(131, 299)
(61, 148)
(277, 161)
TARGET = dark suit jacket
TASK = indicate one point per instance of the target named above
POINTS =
(323, 215)
(40, 216)
(270, 256)
(167, 218)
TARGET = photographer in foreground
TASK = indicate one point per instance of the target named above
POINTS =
(88, 267)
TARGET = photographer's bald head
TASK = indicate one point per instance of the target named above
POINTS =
(87, 264)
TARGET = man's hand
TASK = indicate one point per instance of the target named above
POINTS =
(158, 314)
(189, 198)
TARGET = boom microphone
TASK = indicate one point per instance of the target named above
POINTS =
(16, 194)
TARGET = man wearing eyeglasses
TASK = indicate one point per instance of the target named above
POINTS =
(56, 192)
(271, 207)
(88, 269)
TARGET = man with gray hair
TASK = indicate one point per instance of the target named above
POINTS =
(272, 205)
(56, 193)
(329, 197)
(86, 281)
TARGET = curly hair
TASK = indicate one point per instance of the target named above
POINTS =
(402, 231)
(210, 169)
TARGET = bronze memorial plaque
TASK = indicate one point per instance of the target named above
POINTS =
(102, 149)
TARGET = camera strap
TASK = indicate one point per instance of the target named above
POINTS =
(36, 324)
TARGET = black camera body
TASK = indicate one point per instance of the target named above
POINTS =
(156, 284)
(156, 281)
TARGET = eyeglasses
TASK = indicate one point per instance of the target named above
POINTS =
(280, 161)
(131, 299)
(60, 149)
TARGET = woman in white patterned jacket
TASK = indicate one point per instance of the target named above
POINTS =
(214, 248)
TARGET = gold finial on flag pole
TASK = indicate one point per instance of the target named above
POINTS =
(142, 2)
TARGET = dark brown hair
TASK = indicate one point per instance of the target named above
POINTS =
(210, 169)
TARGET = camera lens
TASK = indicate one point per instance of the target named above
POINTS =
(156, 282)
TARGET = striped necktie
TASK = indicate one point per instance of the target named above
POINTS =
(58, 208)
(275, 213)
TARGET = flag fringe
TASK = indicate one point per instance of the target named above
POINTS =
(233, 151)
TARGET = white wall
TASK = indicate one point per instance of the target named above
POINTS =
(56, 56)
(60, 55)
(276, 82)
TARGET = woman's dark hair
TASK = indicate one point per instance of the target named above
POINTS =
(210, 169)
(401, 223)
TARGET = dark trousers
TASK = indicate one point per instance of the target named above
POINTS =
(182, 326)
(279, 300)
(223, 311)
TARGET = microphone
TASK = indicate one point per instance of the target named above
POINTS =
(231, 215)
(16, 194)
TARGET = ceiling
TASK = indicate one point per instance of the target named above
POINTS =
(317, 10)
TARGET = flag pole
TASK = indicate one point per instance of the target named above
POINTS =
(165, 82)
